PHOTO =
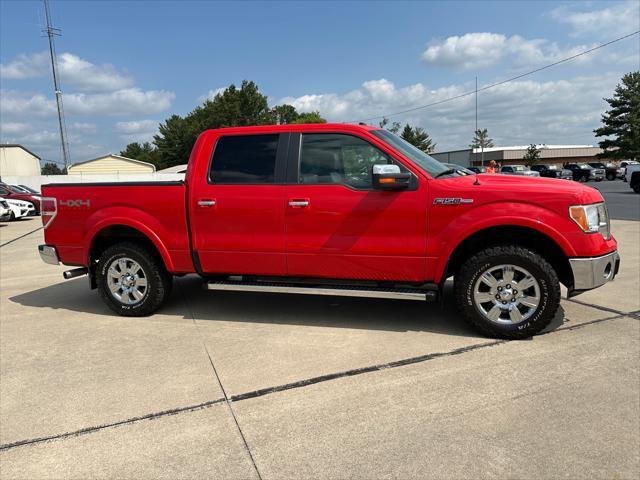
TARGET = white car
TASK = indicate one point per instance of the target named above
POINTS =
(5, 211)
(623, 167)
(18, 208)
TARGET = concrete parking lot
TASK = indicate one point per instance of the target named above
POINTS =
(232, 385)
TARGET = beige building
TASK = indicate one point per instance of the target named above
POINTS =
(16, 160)
(111, 164)
(552, 154)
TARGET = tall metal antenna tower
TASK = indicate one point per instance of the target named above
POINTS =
(52, 32)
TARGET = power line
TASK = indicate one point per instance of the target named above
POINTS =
(502, 82)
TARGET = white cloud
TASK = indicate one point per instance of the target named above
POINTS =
(11, 128)
(137, 126)
(211, 94)
(521, 112)
(617, 19)
(137, 130)
(84, 127)
(484, 49)
(74, 71)
(130, 101)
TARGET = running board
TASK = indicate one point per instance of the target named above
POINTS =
(336, 291)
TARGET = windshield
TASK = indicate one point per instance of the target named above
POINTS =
(421, 159)
(584, 166)
(519, 168)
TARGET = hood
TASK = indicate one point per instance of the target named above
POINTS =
(553, 193)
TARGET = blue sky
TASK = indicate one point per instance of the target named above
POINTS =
(125, 66)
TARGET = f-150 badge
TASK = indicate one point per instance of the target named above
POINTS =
(451, 201)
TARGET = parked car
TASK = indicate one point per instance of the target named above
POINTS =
(5, 211)
(459, 168)
(518, 170)
(18, 208)
(552, 171)
(630, 170)
(13, 194)
(623, 168)
(335, 209)
(583, 172)
(478, 169)
(610, 170)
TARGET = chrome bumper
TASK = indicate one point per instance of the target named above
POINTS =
(48, 254)
(593, 272)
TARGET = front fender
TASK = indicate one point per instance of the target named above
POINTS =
(130, 217)
(474, 220)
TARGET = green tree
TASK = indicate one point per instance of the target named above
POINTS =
(234, 107)
(621, 123)
(50, 168)
(418, 137)
(531, 156)
(174, 141)
(394, 128)
(310, 117)
(481, 139)
(145, 152)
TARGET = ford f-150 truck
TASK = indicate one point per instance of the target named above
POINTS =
(335, 209)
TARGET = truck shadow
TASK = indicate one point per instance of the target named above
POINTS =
(189, 299)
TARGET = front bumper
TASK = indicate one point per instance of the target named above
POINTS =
(48, 254)
(593, 272)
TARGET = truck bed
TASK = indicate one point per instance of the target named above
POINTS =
(84, 210)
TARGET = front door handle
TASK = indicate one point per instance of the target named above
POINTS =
(206, 203)
(299, 203)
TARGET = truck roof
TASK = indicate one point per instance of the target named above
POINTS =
(294, 127)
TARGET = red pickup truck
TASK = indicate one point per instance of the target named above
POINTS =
(335, 210)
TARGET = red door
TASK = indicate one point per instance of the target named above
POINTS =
(337, 226)
(237, 211)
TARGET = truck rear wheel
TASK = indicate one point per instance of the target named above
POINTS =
(508, 292)
(131, 280)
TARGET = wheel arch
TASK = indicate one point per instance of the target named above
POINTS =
(121, 230)
(528, 237)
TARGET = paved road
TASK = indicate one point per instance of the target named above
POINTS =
(237, 386)
(623, 203)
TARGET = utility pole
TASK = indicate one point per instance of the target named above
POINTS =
(51, 32)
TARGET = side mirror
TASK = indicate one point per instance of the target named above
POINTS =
(389, 177)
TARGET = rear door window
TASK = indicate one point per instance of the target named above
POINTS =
(244, 159)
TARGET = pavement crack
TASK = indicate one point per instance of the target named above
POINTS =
(128, 421)
(229, 400)
(21, 236)
(224, 393)
(599, 307)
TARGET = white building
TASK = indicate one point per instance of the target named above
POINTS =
(17, 160)
(111, 163)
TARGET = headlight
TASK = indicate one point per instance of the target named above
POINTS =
(591, 218)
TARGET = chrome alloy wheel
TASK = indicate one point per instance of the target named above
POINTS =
(127, 281)
(506, 294)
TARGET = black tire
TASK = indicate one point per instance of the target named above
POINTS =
(611, 176)
(583, 179)
(159, 281)
(522, 257)
(636, 188)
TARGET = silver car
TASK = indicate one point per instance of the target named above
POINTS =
(518, 170)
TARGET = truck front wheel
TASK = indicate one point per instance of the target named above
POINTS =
(131, 280)
(508, 292)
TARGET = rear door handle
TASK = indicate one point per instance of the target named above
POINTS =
(206, 203)
(299, 203)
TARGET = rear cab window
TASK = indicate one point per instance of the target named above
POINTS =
(244, 159)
